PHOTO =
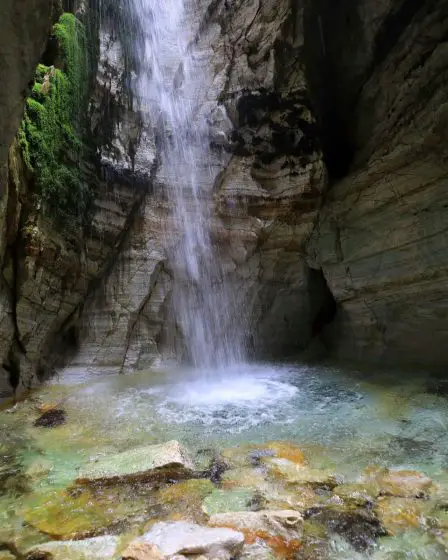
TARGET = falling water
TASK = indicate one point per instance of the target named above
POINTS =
(173, 86)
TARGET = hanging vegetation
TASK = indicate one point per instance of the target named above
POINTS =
(51, 133)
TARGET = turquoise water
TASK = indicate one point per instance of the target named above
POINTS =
(343, 418)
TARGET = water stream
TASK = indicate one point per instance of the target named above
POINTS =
(344, 419)
(173, 90)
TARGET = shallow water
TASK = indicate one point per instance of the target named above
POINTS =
(342, 417)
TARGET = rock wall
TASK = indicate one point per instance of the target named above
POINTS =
(268, 178)
(47, 275)
(356, 253)
(381, 235)
(24, 30)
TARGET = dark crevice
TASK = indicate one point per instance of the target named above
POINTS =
(340, 59)
(328, 306)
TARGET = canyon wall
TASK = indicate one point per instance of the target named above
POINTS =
(379, 72)
(328, 133)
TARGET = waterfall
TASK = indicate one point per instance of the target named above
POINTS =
(172, 86)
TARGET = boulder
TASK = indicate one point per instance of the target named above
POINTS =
(101, 548)
(152, 462)
(188, 538)
(401, 483)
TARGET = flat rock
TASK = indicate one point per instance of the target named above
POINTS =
(286, 524)
(152, 462)
(101, 548)
(188, 538)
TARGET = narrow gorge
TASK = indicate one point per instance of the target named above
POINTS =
(223, 223)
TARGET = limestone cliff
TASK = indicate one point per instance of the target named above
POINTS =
(379, 73)
(327, 126)
(46, 273)
(268, 176)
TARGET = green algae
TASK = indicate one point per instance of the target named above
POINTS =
(224, 501)
(51, 132)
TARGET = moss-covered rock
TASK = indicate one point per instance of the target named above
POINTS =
(51, 133)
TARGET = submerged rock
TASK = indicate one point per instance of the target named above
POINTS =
(80, 513)
(286, 524)
(291, 472)
(188, 538)
(152, 462)
(185, 499)
(401, 514)
(400, 483)
(256, 551)
(359, 527)
(251, 455)
(101, 548)
(222, 501)
(51, 418)
(281, 531)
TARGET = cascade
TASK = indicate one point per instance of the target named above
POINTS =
(172, 88)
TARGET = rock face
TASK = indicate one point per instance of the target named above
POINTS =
(380, 240)
(24, 32)
(327, 127)
(46, 277)
(268, 176)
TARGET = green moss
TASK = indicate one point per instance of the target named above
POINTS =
(51, 132)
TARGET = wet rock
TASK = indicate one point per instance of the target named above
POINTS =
(359, 527)
(222, 501)
(281, 531)
(39, 468)
(80, 513)
(166, 461)
(189, 539)
(404, 484)
(293, 473)
(252, 455)
(401, 514)
(243, 477)
(286, 523)
(185, 498)
(257, 551)
(51, 418)
(357, 494)
(142, 551)
(101, 548)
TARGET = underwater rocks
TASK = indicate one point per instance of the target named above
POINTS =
(399, 483)
(98, 548)
(279, 530)
(167, 461)
(359, 527)
(50, 418)
(190, 539)
(297, 474)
